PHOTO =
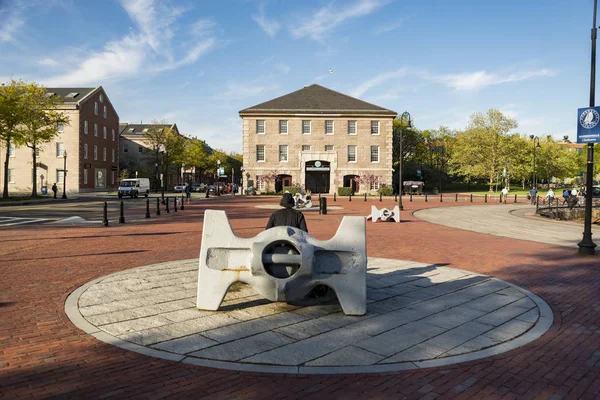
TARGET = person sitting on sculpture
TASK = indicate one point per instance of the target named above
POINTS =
(287, 216)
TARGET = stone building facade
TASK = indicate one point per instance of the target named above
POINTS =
(317, 138)
(90, 141)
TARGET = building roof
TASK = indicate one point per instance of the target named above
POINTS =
(317, 99)
(71, 95)
(126, 129)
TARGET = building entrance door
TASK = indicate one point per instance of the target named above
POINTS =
(317, 176)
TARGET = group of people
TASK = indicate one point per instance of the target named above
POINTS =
(569, 196)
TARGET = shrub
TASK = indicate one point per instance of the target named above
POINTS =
(292, 189)
(386, 191)
(344, 191)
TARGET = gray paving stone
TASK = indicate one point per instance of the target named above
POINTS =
(313, 327)
(387, 343)
(345, 357)
(526, 303)
(184, 315)
(320, 310)
(489, 303)
(530, 316)
(135, 325)
(475, 344)
(234, 351)
(457, 336)
(502, 315)
(309, 349)
(416, 353)
(454, 317)
(391, 304)
(511, 291)
(483, 288)
(509, 330)
(252, 327)
(186, 344)
(385, 322)
(271, 308)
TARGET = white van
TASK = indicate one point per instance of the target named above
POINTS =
(134, 187)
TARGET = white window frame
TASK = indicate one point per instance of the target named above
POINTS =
(11, 175)
(104, 132)
(85, 127)
(264, 153)
(112, 179)
(113, 135)
(355, 127)
(96, 130)
(375, 186)
(112, 154)
(101, 97)
(12, 150)
(285, 121)
(329, 145)
(104, 154)
(332, 126)
(58, 177)
(85, 176)
(95, 152)
(378, 154)
(95, 108)
(355, 153)
(105, 112)
(309, 126)
(60, 150)
(281, 146)
(306, 145)
(264, 127)
(85, 151)
(260, 185)
(378, 128)
(60, 127)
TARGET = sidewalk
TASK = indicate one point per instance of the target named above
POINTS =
(43, 355)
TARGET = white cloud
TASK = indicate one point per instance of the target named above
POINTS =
(481, 79)
(203, 27)
(48, 62)
(323, 21)
(239, 91)
(283, 68)
(9, 25)
(269, 26)
(377, 80)
(388, 28)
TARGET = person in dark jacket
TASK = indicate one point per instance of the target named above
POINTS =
(287, 216)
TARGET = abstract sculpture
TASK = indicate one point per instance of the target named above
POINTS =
(385, 214)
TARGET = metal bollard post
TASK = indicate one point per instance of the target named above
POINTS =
(105, 215)
(122, 216)
(380, 197)
(167, 206)
(350, 198)
(365, 196)
(410, 195)
(207, 196)
(456, 198)
(147, 208)
(175, 204)
(471, 197)
(515, 198)
(441, 198)
(182, 202)
(323, 205)
(319, 196)
(334, 197)
(425, 197)
(163, 198)
(486, 198)
(500, 198)
(157, 206)
(395, 197)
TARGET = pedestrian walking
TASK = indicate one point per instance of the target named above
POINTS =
(550, 196)
(504, 194)
(566, 194)
(54, 189)
(533, 195)
(188, 193)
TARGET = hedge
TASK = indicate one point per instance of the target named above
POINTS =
(386, 191)
(344, 191)
(292, 189)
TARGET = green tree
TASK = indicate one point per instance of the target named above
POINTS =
(436, 152)
(168, 147)
(556, 161)
(40, 123)
(195, 155)
(12, 114)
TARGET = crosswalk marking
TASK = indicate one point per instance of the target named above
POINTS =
(8, 221)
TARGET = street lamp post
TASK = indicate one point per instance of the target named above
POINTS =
(406, 115)
(587, 245)
(161, 150)
(64, 196)
(218, 170)
(157, 179)
(536, 145)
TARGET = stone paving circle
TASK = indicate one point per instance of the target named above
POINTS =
(313, 208)
(418, 316)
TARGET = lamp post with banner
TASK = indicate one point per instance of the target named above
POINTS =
(409, 125)
(218, 175)
(64, 196)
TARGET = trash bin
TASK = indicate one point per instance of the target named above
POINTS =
(323, 205)
(44, 189)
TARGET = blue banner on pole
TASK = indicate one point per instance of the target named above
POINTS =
(588, 126)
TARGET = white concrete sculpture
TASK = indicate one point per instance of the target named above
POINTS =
(283, 263)
(385, 214)
(302, 200)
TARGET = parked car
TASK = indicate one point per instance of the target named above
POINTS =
(198, 187)
(595, 191)
(179, 188)
(212, 189)
(134, 187)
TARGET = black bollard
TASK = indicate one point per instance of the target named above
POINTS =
(323, 205)
(319, 196)
(456, 198)
(410, 197)
(105, 215)
(350, 198)
(501, 195)
(147, 208)
(515, 198)
(485, 198)
(395, 197)
(365, 196)
(157, 206)
(207, 196)
(182, 202)
(441, 198)
(175, 204)
(425, 197)
(122, 216)
(163, 198)
(380, 197)
(167, 206)
(471, 197)
(334, 197)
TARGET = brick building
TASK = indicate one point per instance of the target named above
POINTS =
(90, 141)
(318, 138)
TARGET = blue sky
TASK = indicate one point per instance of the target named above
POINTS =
(197, 63)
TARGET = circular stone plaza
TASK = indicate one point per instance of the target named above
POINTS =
(469, 300)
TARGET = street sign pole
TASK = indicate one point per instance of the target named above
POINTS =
(587, 245)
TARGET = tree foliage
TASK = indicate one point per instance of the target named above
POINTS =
(12, 114)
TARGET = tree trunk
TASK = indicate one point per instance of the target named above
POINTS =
(34, 184)
(5, 192)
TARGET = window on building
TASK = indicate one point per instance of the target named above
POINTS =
(85, 179)
(104, 132)
(140, 149)
(60, 150)
(260, 185)
(11, 149)
(85, 151)
(260, 126)
(105, 111)
(328, 147)
(283, 152)
(112, 155)
(351, 127)
(101, 98)
(125, 148)
(85, 127)
(60, 127)
(351, 153)
(104, 154)
(11, 175)
(283, 127)
(374, 127)
(96, 130)
(95, 152)
(305, 127)
(60, 176)
(375, 185)
(306, 147)
(95, 108)
(329, 127)
(260, 152)
(113, 135)
(374, 154)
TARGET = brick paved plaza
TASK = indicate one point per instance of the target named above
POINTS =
(44, 355)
